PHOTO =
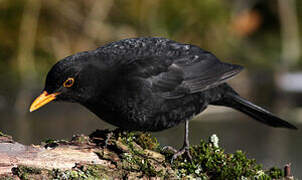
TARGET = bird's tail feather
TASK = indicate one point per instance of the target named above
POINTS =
(235, 101)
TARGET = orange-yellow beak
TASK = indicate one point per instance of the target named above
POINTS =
(43, 99)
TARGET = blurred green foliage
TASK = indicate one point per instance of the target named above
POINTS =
(246, 33)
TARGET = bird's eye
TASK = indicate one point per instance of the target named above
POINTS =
(68, 83)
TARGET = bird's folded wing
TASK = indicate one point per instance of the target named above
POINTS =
(178, 77)
(208, 78)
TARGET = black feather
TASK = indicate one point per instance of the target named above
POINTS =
(233, 100)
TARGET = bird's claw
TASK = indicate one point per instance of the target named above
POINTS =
(170, 148)
(184, 150)
(108, 136)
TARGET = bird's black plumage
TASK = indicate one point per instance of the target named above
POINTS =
(150, 84)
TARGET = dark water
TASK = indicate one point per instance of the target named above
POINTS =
(269, 146)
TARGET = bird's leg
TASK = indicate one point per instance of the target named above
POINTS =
(185, 147)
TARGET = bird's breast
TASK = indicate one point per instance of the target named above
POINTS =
(148, 113)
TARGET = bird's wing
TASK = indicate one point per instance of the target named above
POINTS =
(205, 71)
(174, 78)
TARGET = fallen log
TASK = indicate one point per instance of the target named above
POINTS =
(123, 155)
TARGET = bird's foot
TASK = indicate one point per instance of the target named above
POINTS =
(101, 137)
(170, 148)
(108, 136)
(184, 150)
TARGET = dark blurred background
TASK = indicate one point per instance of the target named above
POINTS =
(261, 35)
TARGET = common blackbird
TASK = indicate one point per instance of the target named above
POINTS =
(148, 84)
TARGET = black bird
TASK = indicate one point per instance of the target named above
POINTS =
(148, 84)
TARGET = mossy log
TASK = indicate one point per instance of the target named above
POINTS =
(124, 155)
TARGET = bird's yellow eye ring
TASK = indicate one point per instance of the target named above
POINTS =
(68, 83)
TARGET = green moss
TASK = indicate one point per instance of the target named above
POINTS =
(135, 154)
(79, 172)
(25, 172)
(52, 143)
(80, 139)
(275, 173)
(2, 134)
(20, 170)
(87, 171)
(144, 140)
(135, 157)
(6, 177)
(211, 162)
(134, 162)
(49, 141)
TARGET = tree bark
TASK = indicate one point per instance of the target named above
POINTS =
(82, 157)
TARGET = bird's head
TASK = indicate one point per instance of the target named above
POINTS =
(76, 78)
